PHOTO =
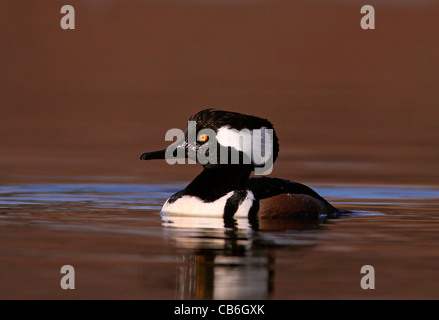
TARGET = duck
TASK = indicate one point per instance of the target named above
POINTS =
(236, 151)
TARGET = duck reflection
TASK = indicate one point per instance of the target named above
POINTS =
(227, 259)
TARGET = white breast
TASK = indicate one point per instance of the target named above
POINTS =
(193, 206)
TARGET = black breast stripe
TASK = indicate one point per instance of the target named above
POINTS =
(233, 203)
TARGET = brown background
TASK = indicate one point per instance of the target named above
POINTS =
(349, 105)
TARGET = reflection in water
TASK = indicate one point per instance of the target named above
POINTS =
(232, 259)
(210, 274)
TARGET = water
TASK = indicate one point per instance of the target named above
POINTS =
(121, 247)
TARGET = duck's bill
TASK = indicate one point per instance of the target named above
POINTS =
(177, 150)
(159, 154)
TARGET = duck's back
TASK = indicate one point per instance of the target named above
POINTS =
(285, 198)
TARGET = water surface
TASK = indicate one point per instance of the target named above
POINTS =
(121, 247)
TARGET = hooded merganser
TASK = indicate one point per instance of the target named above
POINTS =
(224, 188)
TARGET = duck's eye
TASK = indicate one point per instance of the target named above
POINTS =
(203, 137)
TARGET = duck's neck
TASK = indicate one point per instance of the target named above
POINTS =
(216, 181)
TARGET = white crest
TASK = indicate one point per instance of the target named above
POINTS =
(256, 144)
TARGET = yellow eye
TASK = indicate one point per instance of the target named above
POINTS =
(203, 137)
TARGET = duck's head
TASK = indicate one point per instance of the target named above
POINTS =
(216, 138)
